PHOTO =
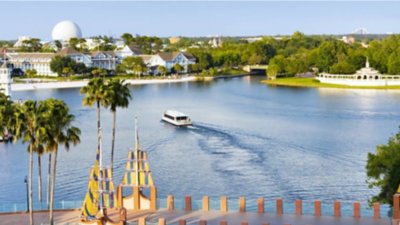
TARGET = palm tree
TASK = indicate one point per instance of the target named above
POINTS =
(95, 92)
(60, 131)
(28, 127)
(6, 111)
(118, 95)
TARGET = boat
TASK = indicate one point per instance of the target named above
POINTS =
(176, 118)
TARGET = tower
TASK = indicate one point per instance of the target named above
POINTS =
(5, 79)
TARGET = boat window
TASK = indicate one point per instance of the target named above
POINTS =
(181, 118)
(169, 117)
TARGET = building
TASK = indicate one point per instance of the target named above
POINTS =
(20, 41)
(216, 42)
(77, 56)
(31, 61)
(366, 76)
(104, 59)
(126, 51)
(174, 40)
(5, 79)
(169, 59)
(65, 30)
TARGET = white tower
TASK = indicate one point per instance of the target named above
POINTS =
(5, 79)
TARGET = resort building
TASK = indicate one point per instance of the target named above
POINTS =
(169, 59)
(106, 60)
(366, 76)
(128, 50)
(77, 56)
(5, 79)
(31, 61)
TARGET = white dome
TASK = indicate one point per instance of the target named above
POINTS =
(66, 30)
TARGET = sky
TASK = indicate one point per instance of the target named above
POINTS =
(206, 18)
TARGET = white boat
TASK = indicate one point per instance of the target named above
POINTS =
(176, 118)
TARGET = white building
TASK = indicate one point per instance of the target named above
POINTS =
(366, 76)
(32, 61)
(127, 50)
(20, 41)
(5, 79)
(169, 59)
(78, 57)
(104, 59)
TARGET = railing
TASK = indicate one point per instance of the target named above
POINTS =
(232, 205)
(22, 207)
(304, 207)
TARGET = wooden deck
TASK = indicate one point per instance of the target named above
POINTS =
(71, 217)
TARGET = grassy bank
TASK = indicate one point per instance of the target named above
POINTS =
(313, 83)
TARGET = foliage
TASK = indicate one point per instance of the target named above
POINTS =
(134, 65)
(31, 45)
(31, 72)
(58, 64)
(177, 68)
(162, 70)
(383, 169)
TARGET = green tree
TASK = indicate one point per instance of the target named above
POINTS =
(67, 71)
(133, 64)
(73, 43)
(99, 72)
(272, 71)
(383, 169)
(95, 92)
(29, 128)
(58, 63)
(31, 72)
(31, 45)
(127, 37)
(178, 68)
(59, 132)
(118, 95)
(162, 70)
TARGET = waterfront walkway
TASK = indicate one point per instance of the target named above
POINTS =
(71, 217)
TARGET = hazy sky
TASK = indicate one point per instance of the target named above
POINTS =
(36, 19)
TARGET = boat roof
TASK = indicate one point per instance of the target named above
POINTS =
(174, 113)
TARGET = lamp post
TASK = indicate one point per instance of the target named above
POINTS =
(27, 194)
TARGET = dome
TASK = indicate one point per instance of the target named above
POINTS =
(66, 30)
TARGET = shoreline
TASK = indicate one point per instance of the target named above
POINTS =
(310, 83)
(79, 84)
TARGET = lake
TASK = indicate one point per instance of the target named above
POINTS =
(248, 139)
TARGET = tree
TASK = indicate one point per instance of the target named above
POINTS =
(178, 68)
(59, 131)
(28, 127)
(58, 63)
(31, 72)
(133, 64)
(127, 37)
(118, 95)
(73, 42)
(162, 70)
(95, 92)
(31, 45)
(383, 169)
(99, 72)
(272, 71)
(67, 71)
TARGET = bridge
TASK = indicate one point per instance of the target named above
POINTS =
(256, 69)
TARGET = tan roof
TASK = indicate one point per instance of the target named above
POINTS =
(167, 56)
(31, 55)
(135, 49)
(145, 58)
(67, 51)
(188, 56)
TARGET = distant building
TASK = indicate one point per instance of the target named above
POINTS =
(20, 41)
(77, 56)
(104, 59)
(31, 61)
(169, 59)
(126, 51)
(215, 42)
(253, 39)
(5, 78)
(174, 40)
(348, 39)
(366, 76)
